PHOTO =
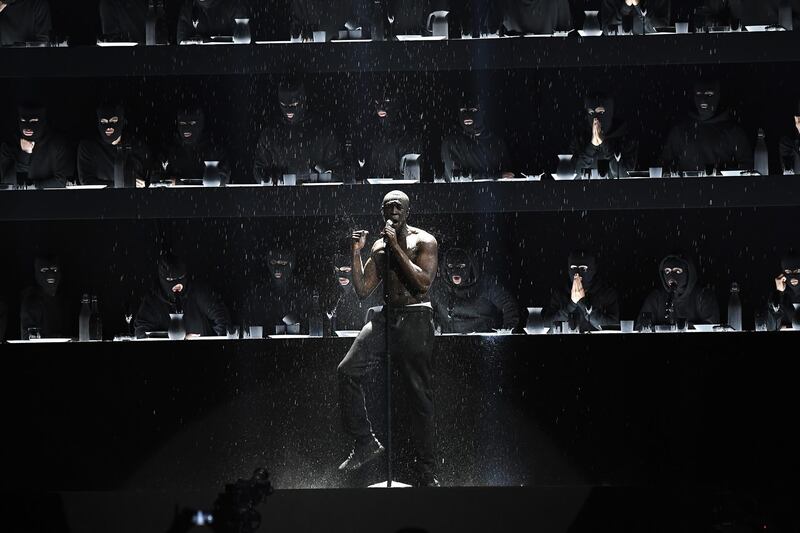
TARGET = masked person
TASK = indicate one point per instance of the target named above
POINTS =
(475, 150)
(39, 156)
(389, 139)
(517, 17)
(709, 138)
(680, 295)
(297, 143)
(114, 158)
(192, 147)
(200, 20)
(781, 310)
(603, 139)
(789, 147)
(408, 317)
(24, 21)
(203, 311)
(344, 307)
(123, 20)
(43, 307)
(645, 16)
(589, 302)
(468, 302)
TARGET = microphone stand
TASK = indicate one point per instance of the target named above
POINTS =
(387, 316)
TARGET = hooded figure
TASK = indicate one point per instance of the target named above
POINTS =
(781, 302)
(388, 138)
(203, 311)
(515, 17)
(43, 306)
(587, 300)
(680, 295)
(280, 298)
(789, 146)
(192, 147)
(123, 20)
(602, 137)
(346, 310)
(645, 17)
(203, 19)
(25, 21)
(475, 150)
(38, 156)
(297, 142)
(113, 150)
(467, 302)
(710, 136)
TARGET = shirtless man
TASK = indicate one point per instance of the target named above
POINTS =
(413, 263)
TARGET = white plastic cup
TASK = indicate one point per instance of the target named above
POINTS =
(681, 27)
(290, 179)
(626, 326)
(256, 332)
(320, 36)
(656, 172)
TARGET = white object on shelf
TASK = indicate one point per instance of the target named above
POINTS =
(289, 336)
(421, 38)
(116, 44)
(347, 332)
(40, 341)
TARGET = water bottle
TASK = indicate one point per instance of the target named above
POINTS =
(735, 308)
(150, 24)
(83, 319)
(761, 156)
(95, 322)
(315, 322)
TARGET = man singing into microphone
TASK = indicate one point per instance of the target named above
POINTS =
(412, 268)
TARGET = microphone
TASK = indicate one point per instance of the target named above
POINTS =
(388, 225)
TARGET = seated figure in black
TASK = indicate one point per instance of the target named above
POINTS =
(43, 306)
(783, 302)
(588, 302)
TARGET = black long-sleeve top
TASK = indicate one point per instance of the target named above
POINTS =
(351, 311)
(531, 16)
(308, 16)
(751, 12)
(483, 307)
(719, 141)
(51, 314)
(213, 21)
(600, 307)
(96, 161)
(383, 149)
(616, 143)
(268, 303)
(204, 313)
(789, 147)
(123, 20)
(51, 164)
(647, 16)
(296, 149)
(780, 308)
(484, 156)
(25, 21)
(700, 306)
(187, 160)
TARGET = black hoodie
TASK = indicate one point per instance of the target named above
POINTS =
(780, 305)
(203, 19)
(697, 305)
(789, 146)
(203, 311)
(50, 164)
(531, 16)
(476, 304)
(619, 148)
(25, 21)
(185, 157)
(647, 16)
(123, 20)
(600, 306)
(43, 306)
(751, 12)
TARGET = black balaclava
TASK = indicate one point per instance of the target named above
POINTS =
(342, 271)
(190, 124)
(280, 263)
(33, 119)
(592, 102)
(460, 270)
(791, 262)
(171, 272)
(293, 101)
(471, 116)
(48, 274)
(706, 99)
(110, 132)
(683, 283)
(576, 261)
(386, 109)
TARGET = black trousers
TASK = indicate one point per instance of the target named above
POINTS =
(411, 344)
